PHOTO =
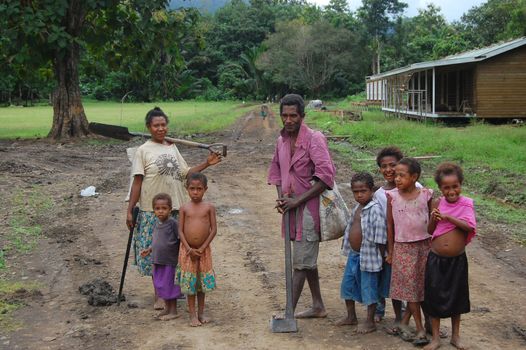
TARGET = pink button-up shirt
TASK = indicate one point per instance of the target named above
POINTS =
(295, 173)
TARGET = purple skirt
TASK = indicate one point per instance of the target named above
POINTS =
(163, 281)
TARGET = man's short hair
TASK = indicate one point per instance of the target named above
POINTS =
(293, 100)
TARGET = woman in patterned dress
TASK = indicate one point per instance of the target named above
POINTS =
(157, 167)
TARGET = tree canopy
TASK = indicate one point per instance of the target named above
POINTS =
(63, 50)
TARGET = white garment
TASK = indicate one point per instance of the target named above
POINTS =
(164, 170)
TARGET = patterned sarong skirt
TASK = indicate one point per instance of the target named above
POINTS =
(408, 270)
(195, 276)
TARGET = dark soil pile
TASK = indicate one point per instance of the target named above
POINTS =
(99, 292)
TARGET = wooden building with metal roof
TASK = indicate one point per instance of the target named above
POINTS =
(483, 83)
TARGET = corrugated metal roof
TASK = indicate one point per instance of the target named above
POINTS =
(461, 58)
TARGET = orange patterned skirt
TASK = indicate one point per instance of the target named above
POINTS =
(195, 276)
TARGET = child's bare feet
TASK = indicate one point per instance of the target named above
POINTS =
(312, 313)
(346, 321)
(162, 313)
(158, 305)
(455, 341)
(378, 318)
(435, 344)
(204, 319)
(366, 327)
(169, 317)
(194, 321)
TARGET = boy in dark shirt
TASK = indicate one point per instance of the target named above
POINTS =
(165, 253)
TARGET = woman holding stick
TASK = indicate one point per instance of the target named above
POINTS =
(157, 167)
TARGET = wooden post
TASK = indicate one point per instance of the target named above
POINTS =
(458, 91)
(433, 91)
(426, 91)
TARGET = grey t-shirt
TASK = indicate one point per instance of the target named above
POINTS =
(165, 243)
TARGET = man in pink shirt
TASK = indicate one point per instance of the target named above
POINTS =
(302, 169)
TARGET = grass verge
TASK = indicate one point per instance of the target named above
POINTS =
(26, 206)
(12, 296)
(186, 117)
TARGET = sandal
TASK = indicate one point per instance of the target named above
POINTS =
(395, 330)
(421, 341)
(407, 336)
(442, 334)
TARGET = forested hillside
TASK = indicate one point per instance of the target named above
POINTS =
(257, 49)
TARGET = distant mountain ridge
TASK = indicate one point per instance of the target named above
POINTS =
(206, 6)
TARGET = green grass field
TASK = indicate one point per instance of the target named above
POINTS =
(186, 117)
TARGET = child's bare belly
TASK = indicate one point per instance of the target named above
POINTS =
(197, 235)
(449, 244)
(355, 236)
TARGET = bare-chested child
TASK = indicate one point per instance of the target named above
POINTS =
(365, 241)
(197, 228)
(453, 226)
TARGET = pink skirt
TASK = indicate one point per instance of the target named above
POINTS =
(409, 270)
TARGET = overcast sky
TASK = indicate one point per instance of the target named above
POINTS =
(452, 9)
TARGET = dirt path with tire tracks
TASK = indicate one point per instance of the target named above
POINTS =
(85, 238)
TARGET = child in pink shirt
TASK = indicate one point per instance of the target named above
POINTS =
(408, 209)
(453, 225)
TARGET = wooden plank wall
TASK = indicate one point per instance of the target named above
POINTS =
(374, 91)
(501, 86)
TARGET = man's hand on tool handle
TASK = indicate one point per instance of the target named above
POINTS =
(213, 158)
(284, 204)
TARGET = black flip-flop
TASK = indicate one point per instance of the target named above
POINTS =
(407, 336)
(421, 341)
(395, 330)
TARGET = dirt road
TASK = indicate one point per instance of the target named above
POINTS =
(85, 238)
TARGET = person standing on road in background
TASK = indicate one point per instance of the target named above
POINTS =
(301, 170)
(157, 167)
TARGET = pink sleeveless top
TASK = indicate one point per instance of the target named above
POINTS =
(410, 217)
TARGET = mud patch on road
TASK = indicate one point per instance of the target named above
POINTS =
(99, 293)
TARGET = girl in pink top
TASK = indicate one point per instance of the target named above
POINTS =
(408, 209)
(453, 226)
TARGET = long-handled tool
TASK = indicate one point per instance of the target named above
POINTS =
(122, 133)
(135, 212)
(287, 324)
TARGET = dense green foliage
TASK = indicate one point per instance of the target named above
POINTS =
(256, 49)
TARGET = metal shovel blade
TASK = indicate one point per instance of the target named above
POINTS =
(283, 325)
(113, 131)
(287, 324)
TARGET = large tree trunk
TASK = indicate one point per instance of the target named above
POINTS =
(69, 119)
